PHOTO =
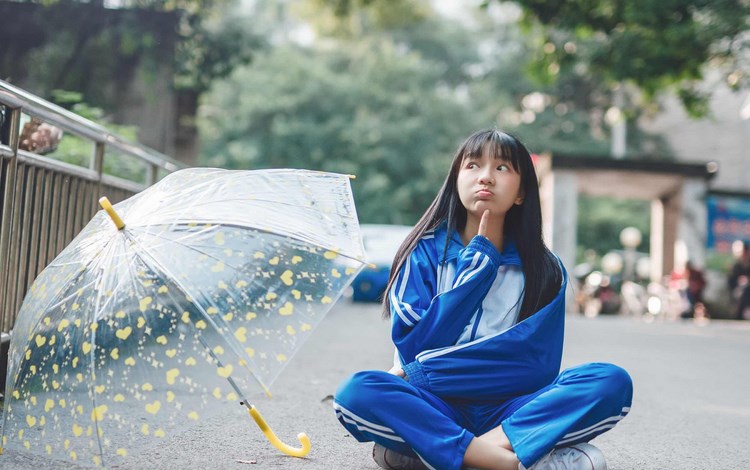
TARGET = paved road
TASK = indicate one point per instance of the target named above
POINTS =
(691, 408)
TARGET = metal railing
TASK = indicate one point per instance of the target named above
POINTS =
(45, 202)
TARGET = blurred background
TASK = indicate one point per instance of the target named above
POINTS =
(638, 113)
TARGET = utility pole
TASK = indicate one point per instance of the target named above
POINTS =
(616, 119)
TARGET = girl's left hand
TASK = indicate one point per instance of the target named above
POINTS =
(396, 370)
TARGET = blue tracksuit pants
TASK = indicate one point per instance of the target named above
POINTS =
(581, 403)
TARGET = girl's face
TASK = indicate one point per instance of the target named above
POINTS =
(490, 183)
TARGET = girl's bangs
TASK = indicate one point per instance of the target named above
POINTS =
(497, 144)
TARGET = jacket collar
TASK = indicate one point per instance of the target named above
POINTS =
(509, 255)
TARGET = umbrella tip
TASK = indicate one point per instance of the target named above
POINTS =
(352, 177)
(107, 206)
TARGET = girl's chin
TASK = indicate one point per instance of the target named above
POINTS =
(478, 210)
(482, 206)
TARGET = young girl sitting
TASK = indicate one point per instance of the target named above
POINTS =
(477, 303)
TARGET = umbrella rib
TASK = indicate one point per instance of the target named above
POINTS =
(270, 201)
(208, 255)
(306, 242)
(190, 247)
(12, 360)
(92, 364)
(210, 321)
(60, 296)
(254, 199)
(273, 201)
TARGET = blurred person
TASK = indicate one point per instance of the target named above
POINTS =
(39, 137)
(739, 283)
(696, 284)
(693, 284)
(477, 305)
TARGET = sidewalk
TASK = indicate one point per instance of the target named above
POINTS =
(691, 409)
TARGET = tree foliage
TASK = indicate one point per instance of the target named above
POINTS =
(202, 40)
(366, 110)
(390, 104)
(83, 48)
(211, 48)
(653, 44)
(350, 18)
(600, 221)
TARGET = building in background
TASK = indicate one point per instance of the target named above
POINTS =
(724, 137)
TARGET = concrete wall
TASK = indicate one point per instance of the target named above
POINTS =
(723, 136)
(88, 48)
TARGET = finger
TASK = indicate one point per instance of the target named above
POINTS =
(395, 370)
(483, 223)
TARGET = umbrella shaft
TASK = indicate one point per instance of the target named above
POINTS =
(229, 378)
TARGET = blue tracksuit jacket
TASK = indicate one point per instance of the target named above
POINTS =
(428, 318)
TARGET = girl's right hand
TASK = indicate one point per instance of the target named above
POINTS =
(483, 223)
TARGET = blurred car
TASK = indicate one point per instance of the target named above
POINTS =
(381, 244)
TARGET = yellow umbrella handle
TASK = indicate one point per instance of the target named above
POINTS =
(288, 450)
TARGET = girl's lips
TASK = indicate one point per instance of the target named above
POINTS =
(484, 194)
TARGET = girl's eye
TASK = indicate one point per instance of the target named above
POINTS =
(503, 168)
(471, 165)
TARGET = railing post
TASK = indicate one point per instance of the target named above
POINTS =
(98, 163)
(7, 313)
(98, 166)
(14, 125)
(152, 174)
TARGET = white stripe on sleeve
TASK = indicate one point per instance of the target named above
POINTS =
(397, 304)
(474, 261)
(467, 275)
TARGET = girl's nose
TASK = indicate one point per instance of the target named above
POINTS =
(486, 177)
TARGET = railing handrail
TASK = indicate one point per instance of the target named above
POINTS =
(34, 106)
(46, 201)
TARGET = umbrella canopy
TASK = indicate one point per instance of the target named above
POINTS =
(202, 296)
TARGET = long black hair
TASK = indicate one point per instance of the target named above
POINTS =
(523, 223)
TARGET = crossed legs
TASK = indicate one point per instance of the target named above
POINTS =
(581, 403)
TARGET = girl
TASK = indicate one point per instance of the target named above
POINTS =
(477, 306)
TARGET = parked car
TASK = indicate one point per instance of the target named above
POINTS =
(381, 244)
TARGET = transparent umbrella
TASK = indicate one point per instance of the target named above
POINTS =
(193, 293)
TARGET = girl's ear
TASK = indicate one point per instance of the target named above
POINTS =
(519, 199)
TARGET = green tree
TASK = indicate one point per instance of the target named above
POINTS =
(600, 221)
(352, 18)
(552, 108)
(565, 115)
(653, 44)
(561, 116)
(83, 48)
(72, 40)
(163, 54)
(388, 104)
(368, 109)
